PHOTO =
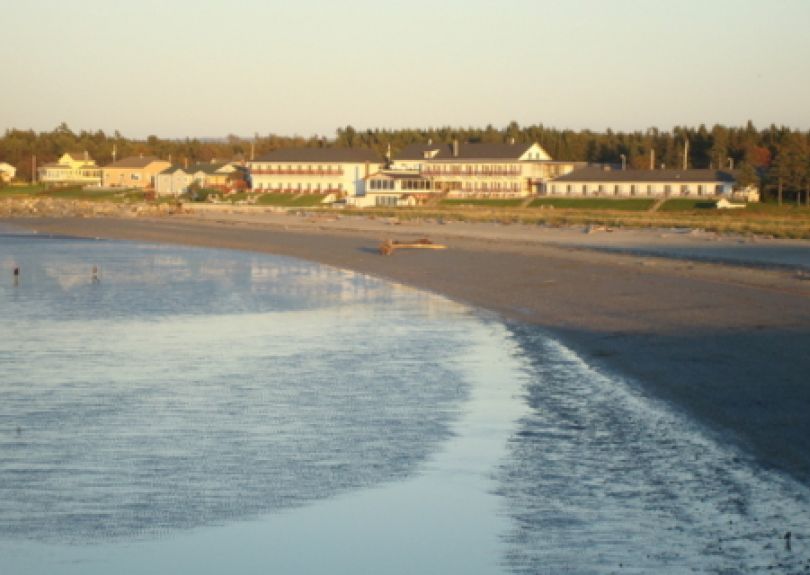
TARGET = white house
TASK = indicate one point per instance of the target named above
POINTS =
(172, 181)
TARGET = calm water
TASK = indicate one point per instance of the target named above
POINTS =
(213, 411)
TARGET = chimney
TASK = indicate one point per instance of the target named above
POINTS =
(512, 141)
(455, 148)
(652, 158)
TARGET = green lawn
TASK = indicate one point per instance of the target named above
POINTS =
(289, 200)
(497, 203)
(686, 205)
(10, 191)
(633, 205)
(95, 195)
(72, 193)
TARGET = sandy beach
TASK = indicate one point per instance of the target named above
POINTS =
(718, 326)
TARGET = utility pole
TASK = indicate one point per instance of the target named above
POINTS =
(686, 154)
(34, 169)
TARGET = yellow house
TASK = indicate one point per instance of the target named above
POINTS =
(133, 172)
(7, 172)
(71, 169)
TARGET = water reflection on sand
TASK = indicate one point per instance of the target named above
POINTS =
(214, 411)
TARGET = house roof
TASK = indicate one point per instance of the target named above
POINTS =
(314, 155)
(172, 170)
(76, 156)
(596, 174)
(466, 151)
(207, 168)
(134, 162)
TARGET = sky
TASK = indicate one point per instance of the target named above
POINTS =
(209, 68)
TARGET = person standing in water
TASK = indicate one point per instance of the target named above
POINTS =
(16, 275)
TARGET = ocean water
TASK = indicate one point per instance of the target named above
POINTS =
(188, 410)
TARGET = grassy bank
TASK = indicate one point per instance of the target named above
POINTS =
(782, 223)
(787, 221)
(72, 193)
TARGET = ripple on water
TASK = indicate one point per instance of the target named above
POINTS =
(602, 479)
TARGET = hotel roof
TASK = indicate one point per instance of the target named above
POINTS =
(314, 155)
(466, 151)
(595, 174)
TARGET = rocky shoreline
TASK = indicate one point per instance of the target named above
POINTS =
(48, 207)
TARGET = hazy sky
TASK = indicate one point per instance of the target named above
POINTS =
(179, 68)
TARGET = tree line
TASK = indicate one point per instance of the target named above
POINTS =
(776, 158)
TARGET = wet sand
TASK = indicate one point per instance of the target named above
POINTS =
(728, 343)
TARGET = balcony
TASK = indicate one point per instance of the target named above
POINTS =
(298, 172)
(460, 173)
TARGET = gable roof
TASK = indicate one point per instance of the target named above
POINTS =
(172, 170)
(596, 174)
(315, 155)
(206, 167)
(77, 156)
(134, 162)
(466, 151)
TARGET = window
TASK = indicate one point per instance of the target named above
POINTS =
(649, 189)
(584, 190)
(684, 190)
(632, 189)
(616, 189)
(701, 189)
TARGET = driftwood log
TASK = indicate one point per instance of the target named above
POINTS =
(388, 246)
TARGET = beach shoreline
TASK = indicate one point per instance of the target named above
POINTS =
(724, 340)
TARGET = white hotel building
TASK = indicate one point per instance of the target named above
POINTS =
(463, 170)
(339, 171)
(610, 183)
